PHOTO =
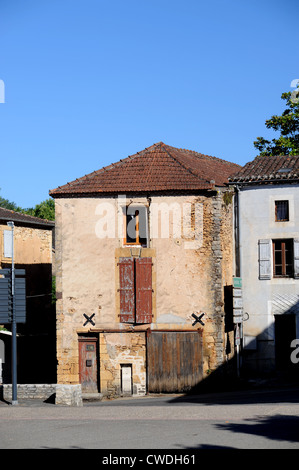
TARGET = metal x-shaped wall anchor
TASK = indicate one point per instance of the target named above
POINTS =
(89, 319)
(198, 319)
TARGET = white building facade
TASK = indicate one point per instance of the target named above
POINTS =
(267, 260)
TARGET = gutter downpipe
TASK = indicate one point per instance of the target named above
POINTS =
(238, 234)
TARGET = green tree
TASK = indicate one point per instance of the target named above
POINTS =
(44, 210)
(288, 126)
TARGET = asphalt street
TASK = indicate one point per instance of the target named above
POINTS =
(252, 419)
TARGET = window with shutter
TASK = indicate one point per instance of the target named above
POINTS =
(135, 288)
(285, 258)
(265, 259)
(7, 243)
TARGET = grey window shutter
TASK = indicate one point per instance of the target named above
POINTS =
(265, 259)
(296, 258)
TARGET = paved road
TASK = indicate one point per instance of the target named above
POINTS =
(262, 419)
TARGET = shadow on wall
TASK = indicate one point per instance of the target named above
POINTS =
(271, 357)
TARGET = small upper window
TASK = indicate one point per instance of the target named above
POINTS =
(136, 226)
(281, 211)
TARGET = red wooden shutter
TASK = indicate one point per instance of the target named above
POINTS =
(143, 270)
(127, 290)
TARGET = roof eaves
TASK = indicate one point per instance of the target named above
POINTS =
(7, 215)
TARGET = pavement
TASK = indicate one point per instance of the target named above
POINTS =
(257, 414)
(260, 417)
(240, 390)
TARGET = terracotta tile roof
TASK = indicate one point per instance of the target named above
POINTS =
(23, 219)
(268, 169)
(157, 168)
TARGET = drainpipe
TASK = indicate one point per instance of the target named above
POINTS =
(238, 233)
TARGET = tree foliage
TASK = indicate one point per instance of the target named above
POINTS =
(287, 125)
(44, 210)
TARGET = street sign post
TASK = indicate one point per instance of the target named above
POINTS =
(7, 301)
(237, 282)
(13, 307)
(13, 323)
(238, 315)
(237, 300)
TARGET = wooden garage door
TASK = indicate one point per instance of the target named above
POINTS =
(174, 361)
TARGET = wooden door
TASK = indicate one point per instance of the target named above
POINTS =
(88, 368)
(174, 361)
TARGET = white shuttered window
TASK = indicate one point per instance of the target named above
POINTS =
(265, 259)
(286, 258)
(7, 243)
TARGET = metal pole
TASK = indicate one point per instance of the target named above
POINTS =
(239, 272)
(14, 324)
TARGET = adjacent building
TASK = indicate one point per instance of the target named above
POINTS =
(267, 260)
(144, 251)
(33, 249)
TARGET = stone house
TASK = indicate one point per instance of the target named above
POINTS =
(267, 235)
(36, 337)
(144, 248)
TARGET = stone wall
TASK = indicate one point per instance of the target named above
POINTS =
(30, 391)
(31, 245)
(185, 281)
(116, 350)
(61, 394)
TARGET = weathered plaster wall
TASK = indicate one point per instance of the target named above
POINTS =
(185, 280)
(117, 349)
(31, 245)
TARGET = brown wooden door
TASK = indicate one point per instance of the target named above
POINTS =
(88, 365)
(174, 361)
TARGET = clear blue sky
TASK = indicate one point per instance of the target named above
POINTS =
(90, 82)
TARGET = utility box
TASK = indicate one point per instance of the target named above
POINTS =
(126, 379)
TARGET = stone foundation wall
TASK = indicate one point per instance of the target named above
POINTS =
(70, 395)
(29, 391)
(116, 350)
